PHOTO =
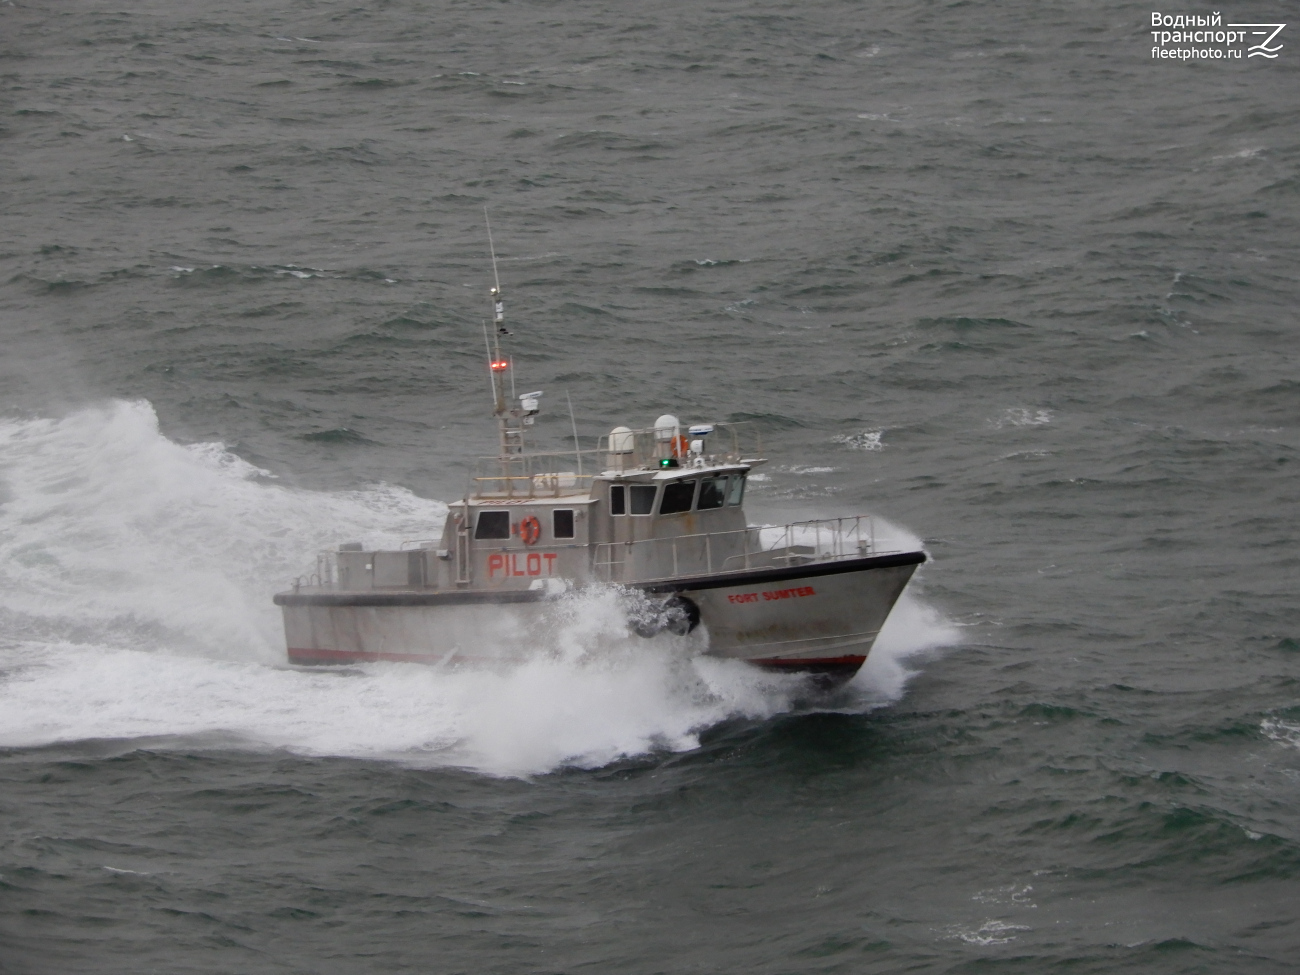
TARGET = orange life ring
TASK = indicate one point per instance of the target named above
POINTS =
(680, 446)
(530, 530)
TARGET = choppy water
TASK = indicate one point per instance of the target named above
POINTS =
(986, 271)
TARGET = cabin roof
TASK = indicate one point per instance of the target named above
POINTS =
(673, 473)
(563, 501)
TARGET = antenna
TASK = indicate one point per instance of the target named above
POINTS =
(577, 447)
(492, 250)
(511, 416)
(487, 342)
(498, 302)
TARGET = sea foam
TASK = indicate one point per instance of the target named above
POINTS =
(135, 583)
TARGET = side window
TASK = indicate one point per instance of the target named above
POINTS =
(736, 493)
(713, 492)
(562, 522)
(678, 496)
(617, 500)
(643, 498)
(492, 524)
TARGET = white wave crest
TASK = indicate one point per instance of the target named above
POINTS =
(1282, 732)
(135, 585)
(1022, 417)
(862, 440)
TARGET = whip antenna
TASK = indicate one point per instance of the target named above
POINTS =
(492, 250)
(577, 447)
(498, 303)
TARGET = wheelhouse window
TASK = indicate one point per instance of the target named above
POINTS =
(713, 492)
(562, 523)
(736, 491)
(678, 496)
(617, 500)
(643, 498)
(492, 524)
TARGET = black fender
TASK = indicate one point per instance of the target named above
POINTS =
(677, 615)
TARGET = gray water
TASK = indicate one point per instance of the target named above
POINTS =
(988, 272)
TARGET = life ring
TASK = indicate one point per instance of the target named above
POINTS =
(530, 530)
(680, 446)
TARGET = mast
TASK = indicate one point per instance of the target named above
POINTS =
(511, 419)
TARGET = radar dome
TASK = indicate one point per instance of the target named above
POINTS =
(621, 441)
(667, 427)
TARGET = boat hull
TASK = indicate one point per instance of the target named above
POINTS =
(820, 618)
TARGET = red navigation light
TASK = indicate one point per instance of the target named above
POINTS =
(499, 365)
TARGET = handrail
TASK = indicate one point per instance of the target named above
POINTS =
(554, 484)
(326, 573)
(529, 475)
(800, 542)
(638, 449)
(633, 450)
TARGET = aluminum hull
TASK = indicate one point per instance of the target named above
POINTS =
(822, 617)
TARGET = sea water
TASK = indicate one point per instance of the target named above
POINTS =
(989, 273)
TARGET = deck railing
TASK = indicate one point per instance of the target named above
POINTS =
(562, 473)
(723, 443)
(797, 543)
(705, 553)
(535, 475)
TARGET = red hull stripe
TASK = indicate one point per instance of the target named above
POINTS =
(854, 661)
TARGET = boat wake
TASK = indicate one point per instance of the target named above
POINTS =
(135, 582)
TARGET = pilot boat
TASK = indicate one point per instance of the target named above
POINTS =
(657, 512)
